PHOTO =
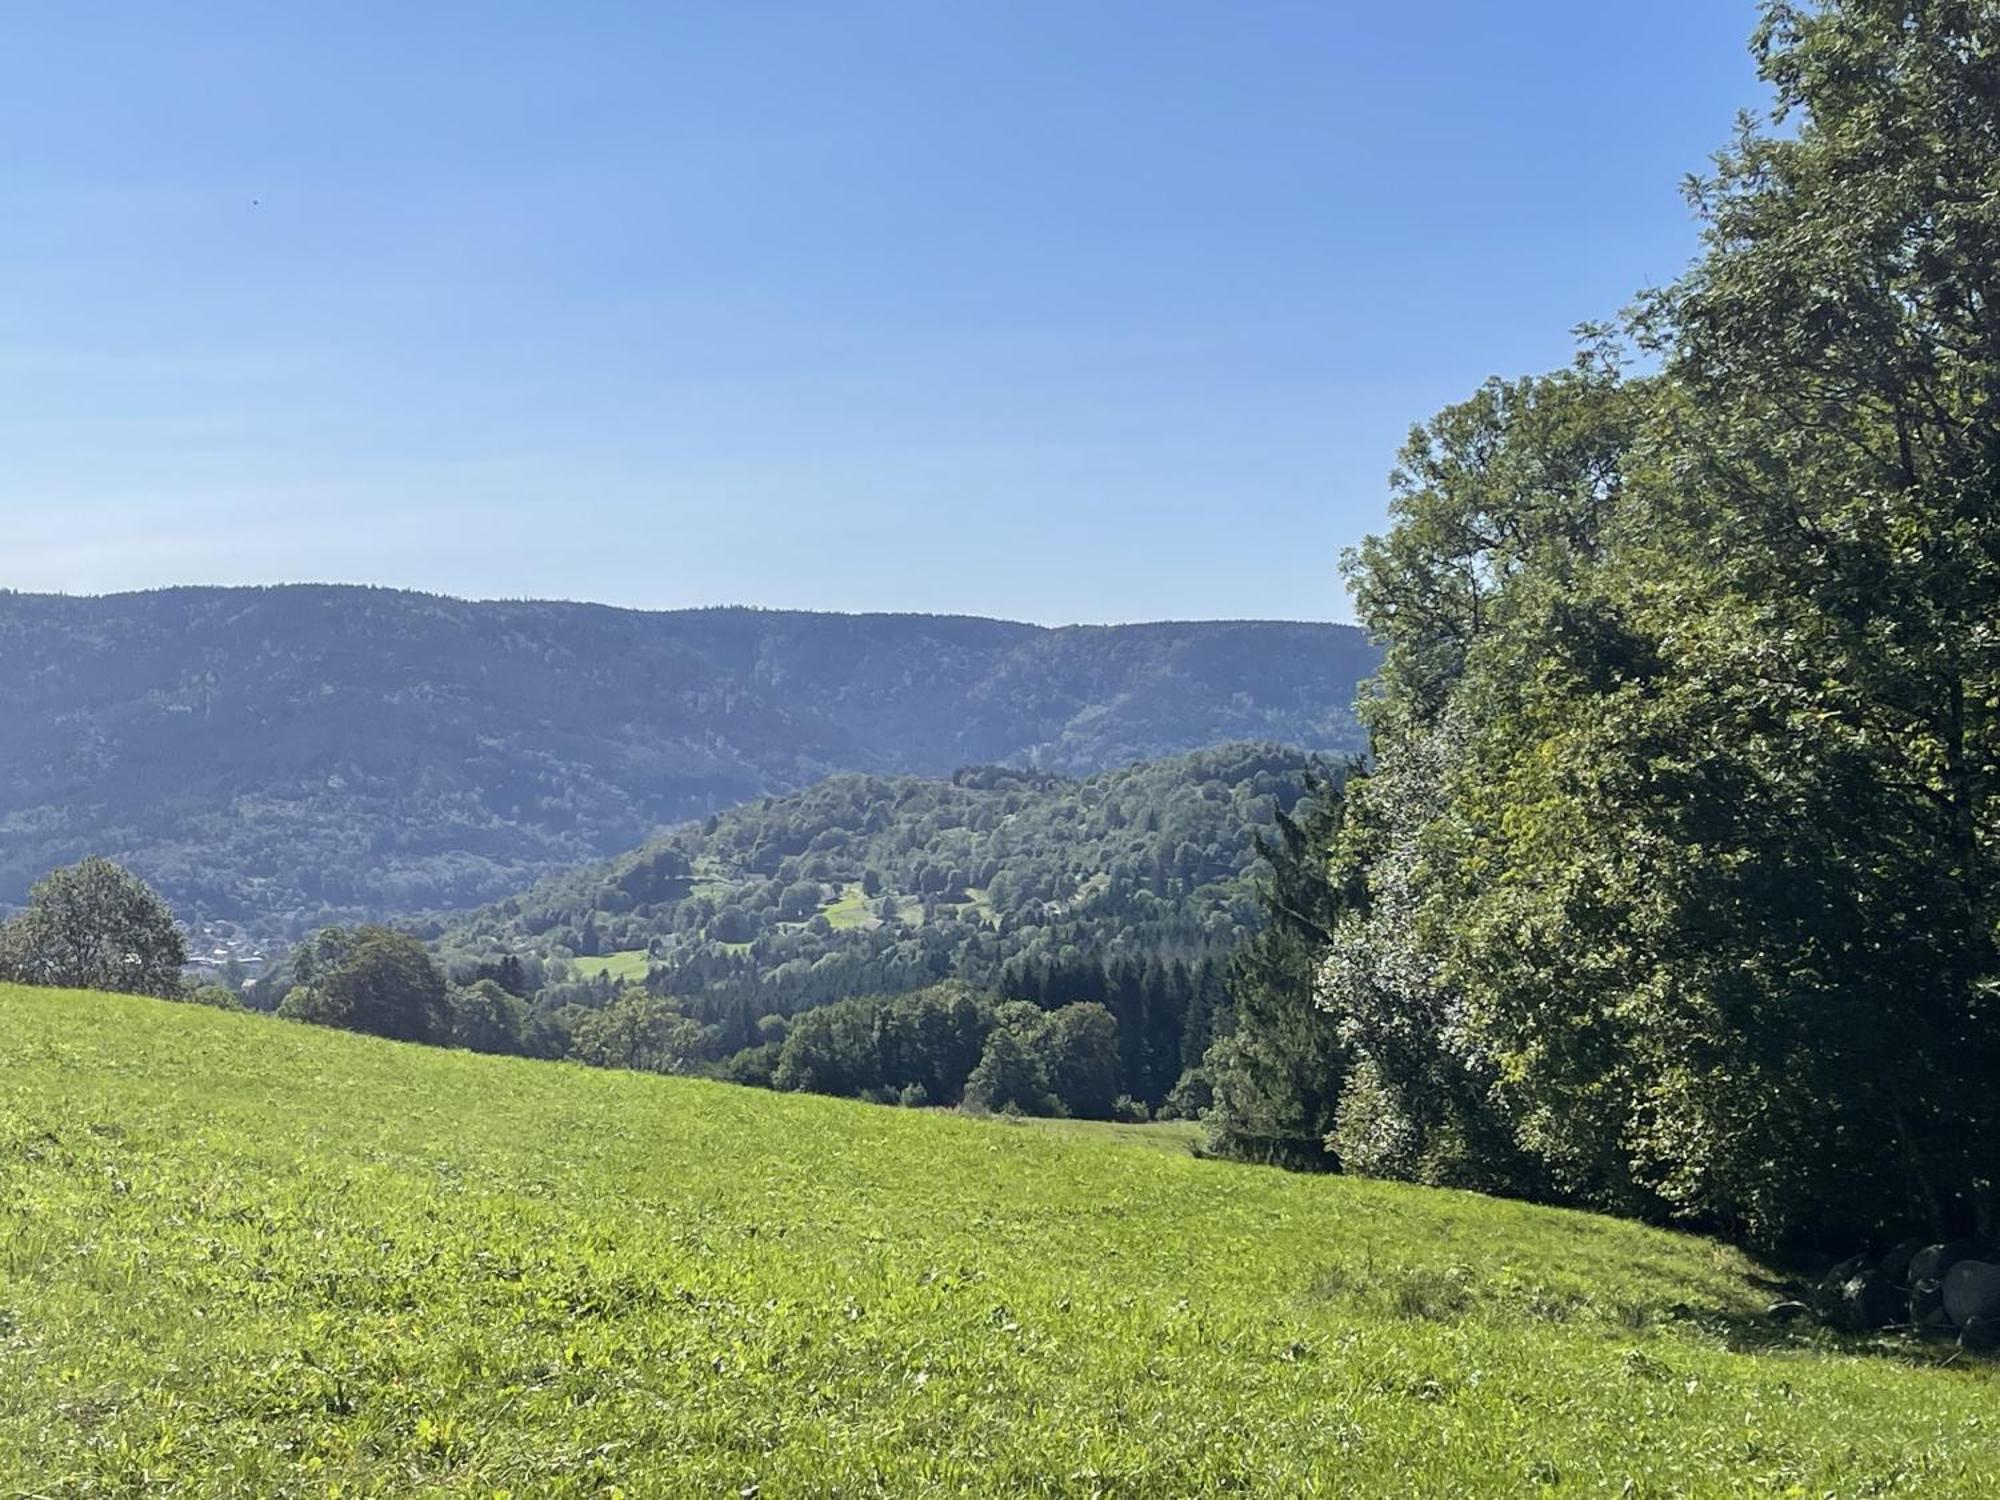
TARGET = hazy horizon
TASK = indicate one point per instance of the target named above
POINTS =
(721, 606)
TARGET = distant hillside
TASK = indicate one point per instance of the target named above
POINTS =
(311, 751)
(1129, 888)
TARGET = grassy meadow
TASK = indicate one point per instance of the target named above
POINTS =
(627, 968)
(850, 909)
(246, 1257)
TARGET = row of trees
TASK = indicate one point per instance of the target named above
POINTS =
(947, 1045)
(1672, 886)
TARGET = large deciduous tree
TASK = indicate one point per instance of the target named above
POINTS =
(374, 980)
(1837, 451)
(1506, 507)
(1678, 857)
(641, 1031)
(95, 926)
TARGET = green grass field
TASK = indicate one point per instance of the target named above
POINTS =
(981, 904)
(245, 1257)
(628, 967)
(1179, 1136)
(850, 909)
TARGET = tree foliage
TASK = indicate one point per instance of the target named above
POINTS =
(638, 1031)
(1671, 887)
(1275, 1075)
(1010, 1078)
(373, 980)
(950, 1044)
(486, 1018)
(94, 926)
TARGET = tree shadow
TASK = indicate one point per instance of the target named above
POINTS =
(1760, 1332)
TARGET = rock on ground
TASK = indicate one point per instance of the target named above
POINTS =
(1972, 1290)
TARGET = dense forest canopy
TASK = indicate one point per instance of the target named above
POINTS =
(1129, 889)
(1673, 884)
(292, 756)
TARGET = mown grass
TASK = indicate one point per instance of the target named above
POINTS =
(244, 1257)
(1180, 1136)
(850, 909)
(627, 967)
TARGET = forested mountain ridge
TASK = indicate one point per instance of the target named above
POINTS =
(314, 751)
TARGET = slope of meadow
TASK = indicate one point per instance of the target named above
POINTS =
(242, 1257)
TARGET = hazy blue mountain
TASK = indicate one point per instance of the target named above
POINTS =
(294, 753)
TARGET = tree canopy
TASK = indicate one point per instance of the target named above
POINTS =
(94, 926)
(1671, 885)
(375, 980)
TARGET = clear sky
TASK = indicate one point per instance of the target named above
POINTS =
(1051, 309)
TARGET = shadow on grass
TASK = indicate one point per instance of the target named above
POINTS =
(1456, 1293)
(1749, 1332)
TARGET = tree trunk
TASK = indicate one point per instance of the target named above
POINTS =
(1922, 1189)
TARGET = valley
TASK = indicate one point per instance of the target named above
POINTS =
(280, 758)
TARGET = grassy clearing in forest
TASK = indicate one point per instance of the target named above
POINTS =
(627, 967)
(850, 909)
(246, 1257)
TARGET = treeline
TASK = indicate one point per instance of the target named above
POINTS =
(1671, 886)
(1081, 1039)
(949, 1045)
(1164, 1011)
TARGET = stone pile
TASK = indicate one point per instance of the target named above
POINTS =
(1948, 1290)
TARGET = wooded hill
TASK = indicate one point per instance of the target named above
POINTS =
(298, 755)
(1128, 888)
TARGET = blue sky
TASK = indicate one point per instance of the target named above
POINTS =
(1050, 309)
